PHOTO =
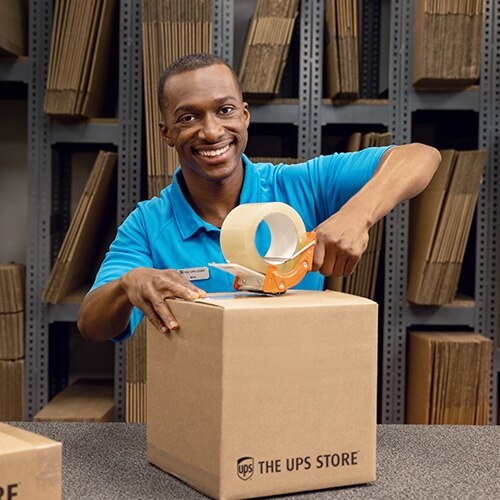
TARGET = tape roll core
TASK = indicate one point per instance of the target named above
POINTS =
(288, 235)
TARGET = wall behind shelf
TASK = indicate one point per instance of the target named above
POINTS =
(13, 180)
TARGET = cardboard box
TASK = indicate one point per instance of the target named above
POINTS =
(87, 400)
(30, 465)
(258, 395)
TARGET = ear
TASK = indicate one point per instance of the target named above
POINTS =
(246, 114)
(165, 133)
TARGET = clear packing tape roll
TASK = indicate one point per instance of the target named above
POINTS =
(288, 257)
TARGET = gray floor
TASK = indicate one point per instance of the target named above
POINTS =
(106, 461)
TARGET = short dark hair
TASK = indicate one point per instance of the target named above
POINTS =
(190, 63)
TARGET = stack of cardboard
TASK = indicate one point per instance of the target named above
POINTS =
(136, 375)
(448, 379)
(440, 221)
(13, 27)
(170, 29)
(81, 77)
(89, 233)
(341, 48)
(363, 280)
(87, 400)
(12, 278)
(266, 47)
(446, 43)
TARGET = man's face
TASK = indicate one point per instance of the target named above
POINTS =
(206, 120)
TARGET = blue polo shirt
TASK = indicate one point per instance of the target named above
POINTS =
(166, 233)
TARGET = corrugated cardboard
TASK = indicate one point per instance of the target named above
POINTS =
(87, 400)
(30, 465)
(11, 389)
(448, 379)
(257, 395)
(11, 335)
(13, 27)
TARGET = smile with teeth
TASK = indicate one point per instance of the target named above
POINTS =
(216, 152)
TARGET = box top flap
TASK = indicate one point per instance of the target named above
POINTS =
(13, 439)
(291, 299)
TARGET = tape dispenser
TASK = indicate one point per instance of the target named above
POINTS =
(288, 258)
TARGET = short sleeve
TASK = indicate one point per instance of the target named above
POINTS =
(341, 176)
(320, 187)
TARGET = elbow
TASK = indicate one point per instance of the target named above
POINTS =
(84, 326)
(430, 158)
(85, 332)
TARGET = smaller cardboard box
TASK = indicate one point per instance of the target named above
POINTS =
(86, 400)
(257, 396)
(30, 465)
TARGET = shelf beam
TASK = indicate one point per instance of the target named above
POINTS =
(356, 113)
(440, 315)
(15, 70)
(86, 131)
(464, 100)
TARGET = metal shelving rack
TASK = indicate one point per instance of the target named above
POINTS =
(481, 312)
(310, 114)
(45, 198)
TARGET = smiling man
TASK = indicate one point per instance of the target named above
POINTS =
(205, 119)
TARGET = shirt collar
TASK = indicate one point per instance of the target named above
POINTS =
(188, 221)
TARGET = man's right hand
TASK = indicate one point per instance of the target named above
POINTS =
(105, 312)
(147, 290)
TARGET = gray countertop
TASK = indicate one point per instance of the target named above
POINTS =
(106, 461)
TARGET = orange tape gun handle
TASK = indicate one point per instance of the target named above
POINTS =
(274, 282)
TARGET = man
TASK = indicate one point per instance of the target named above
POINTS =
(205, 118)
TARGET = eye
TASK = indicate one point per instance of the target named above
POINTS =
(186, 118)
(226, 110)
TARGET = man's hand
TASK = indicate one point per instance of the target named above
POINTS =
(341, 241)
(147, 289)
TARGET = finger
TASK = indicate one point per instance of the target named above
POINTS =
(162, 310)
(319, 256)
(178, 278)
(339, 268)
(328, 264)
(198, 291)
(155, 320)
(182, 291)
(351, 265)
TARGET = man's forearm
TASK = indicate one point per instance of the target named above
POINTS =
(104, 313)
(403, 172)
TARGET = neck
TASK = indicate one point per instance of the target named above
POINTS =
(212, 201)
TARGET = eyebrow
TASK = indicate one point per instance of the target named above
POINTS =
(218, 102)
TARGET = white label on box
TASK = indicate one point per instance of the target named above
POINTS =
(195, 273)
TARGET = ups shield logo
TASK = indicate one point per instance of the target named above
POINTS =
(245, 468)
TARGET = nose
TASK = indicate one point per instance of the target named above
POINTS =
(211, 129)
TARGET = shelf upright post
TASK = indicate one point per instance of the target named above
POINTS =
(129, 151)
(487, 231)
(39, 207)
(223, 30)
(370, 49)
(305, 79)
(316, 27)
(396, 247)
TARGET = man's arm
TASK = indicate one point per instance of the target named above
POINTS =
(402, 173)
(105, 312)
